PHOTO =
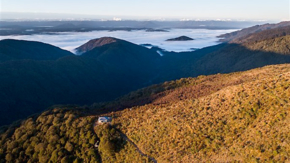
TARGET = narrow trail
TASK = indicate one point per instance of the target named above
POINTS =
(94, 125)
(124, 136)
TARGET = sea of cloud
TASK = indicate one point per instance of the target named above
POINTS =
(71, 40)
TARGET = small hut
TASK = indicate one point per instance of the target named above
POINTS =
(105, 119)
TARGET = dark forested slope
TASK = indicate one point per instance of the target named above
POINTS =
(38, 75)
(20, 50)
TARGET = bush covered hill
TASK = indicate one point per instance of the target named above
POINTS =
(64, 135)
(34, 75)
(242, 116)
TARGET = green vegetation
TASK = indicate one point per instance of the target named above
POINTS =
(114, 148)
(277, 45)
(64, 134)
(58, 135)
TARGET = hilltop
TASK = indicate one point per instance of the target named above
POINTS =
(90, 45)
(180, 38)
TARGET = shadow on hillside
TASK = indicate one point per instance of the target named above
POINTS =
(79, 80)
(229, 58)
(235, 57)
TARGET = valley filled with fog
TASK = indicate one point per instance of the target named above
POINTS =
(71, 40)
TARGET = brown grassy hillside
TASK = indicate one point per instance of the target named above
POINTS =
(190, 88)
(245, 122)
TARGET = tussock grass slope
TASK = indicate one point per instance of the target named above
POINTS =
(243, 122)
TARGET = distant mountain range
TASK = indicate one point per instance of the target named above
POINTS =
(34, 75)
(40, 27)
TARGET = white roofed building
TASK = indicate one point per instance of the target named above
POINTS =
(104, 119)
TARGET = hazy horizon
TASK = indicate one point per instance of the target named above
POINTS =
(224, 10)
(6, 16)
(71, 40)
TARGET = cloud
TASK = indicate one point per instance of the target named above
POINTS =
(117, 19)
(71, 40)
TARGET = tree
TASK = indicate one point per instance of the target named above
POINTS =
(69, 147)
(9, 157)
(65, 160)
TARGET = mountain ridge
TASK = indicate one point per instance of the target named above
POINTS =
(251, 30)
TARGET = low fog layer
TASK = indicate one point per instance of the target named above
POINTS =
(71, 40)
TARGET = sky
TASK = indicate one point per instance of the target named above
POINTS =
(156, 9)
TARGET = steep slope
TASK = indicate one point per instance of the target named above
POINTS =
(20, 49)
(188, 88)
(278, 45)
(220, 118)
(245, 122)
